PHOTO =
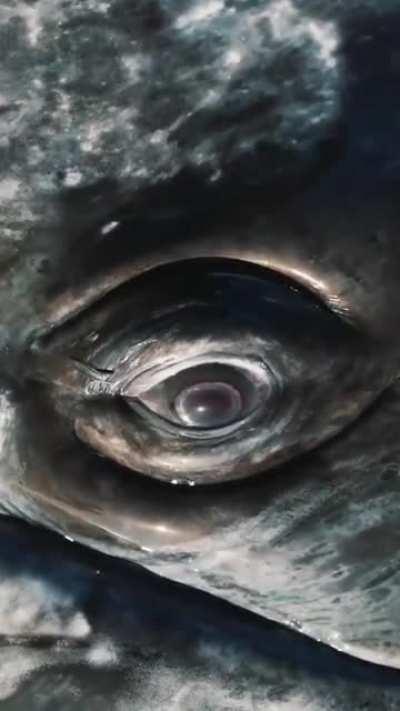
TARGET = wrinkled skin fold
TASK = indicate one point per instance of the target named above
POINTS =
(209, 185)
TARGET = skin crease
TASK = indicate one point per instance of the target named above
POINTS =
(312, 545)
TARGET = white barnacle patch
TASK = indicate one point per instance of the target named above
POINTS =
(282, 16)
(72, 177)
(31, 608)
(133, 65)
(158, 137)
(233, 57)
(102, 653)
(91, 134)
(289, 24)
(16, 664)
(33, 24)
(201, 12)
(8, 189)
(100, 7)
(325, 35)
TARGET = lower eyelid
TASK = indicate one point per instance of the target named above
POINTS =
(191, 433)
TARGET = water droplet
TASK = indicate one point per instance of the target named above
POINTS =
(109, 227)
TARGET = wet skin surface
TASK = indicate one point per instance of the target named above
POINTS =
(191, 222)
(151, 644)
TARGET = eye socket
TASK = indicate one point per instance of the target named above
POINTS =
(205, 397)
(208, 371)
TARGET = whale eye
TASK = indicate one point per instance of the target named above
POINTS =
(203, 398)
(206, 371)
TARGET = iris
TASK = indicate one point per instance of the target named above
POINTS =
(209, 404)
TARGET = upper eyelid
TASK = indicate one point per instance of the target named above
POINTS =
(102, 263)
(301, 280)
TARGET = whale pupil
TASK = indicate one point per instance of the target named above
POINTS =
(208, 404)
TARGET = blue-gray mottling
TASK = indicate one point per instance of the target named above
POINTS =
(133, 95)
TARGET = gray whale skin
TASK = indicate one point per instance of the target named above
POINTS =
(199, 190)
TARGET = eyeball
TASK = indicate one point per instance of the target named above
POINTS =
(203, 398)
(209, 404)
